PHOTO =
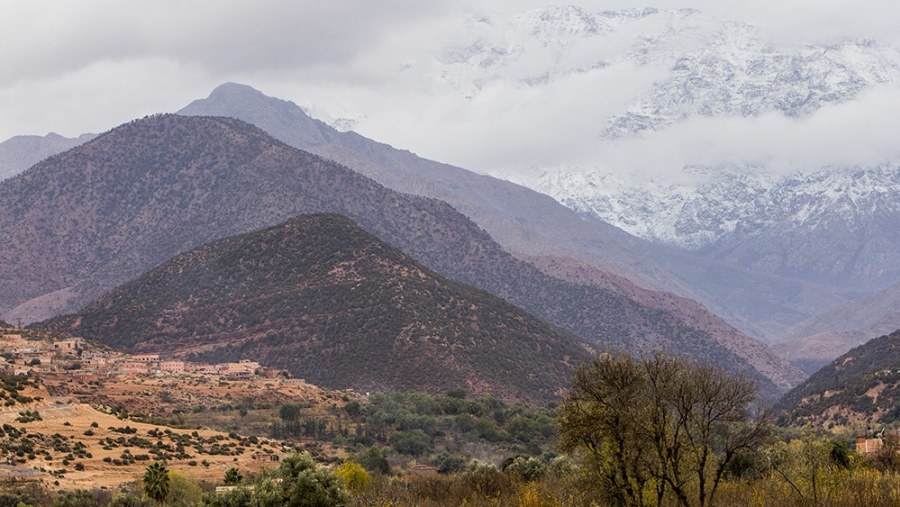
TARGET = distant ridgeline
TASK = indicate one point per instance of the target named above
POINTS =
(861, 386)
(135, 196)
(322, 298)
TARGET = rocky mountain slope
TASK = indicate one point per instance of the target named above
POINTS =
(322, 298)
(21, 152)
(824, 233)
(862, 385)
(83, 222)
(815, 342)
(522, 221)
(828, 235)
(688, 311)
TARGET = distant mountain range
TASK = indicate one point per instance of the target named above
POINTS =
(771, 252)
(765, 253)
(21, 152)
(831, 227)
(760, 302)
(87, 220)
(828, 236)
(524, 222)
(805, 260)
(813, 343)
(861, 386)
(322, 298)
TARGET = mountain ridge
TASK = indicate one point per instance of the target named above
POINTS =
(817, 341)
(21, 152)
(322, 298)
(861, 386)
(524, 222)
(149, 189)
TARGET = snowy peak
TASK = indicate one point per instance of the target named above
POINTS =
(557, 25)
(746, 201)
(737, 74)
(707, 66)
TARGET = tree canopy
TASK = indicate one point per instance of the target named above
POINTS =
(659, 427)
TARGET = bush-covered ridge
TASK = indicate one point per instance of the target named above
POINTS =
(322, 298)
(85, 221)
(861, 386)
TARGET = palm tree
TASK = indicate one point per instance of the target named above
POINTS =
(156, 482)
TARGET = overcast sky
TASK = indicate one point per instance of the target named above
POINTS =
(87, 66)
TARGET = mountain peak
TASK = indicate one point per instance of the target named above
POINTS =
(232, 89)
(319, 296)
(281, 117)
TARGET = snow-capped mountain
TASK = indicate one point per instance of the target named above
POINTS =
(745, 202)
(702, 65)
(823, 223)
(682, 215)
(832, 226)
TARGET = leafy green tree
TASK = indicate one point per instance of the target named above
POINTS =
(233, 476)
(241, 497)
(304, 484)
(374, 460)
(129, 500)
(840, 454)
(81, 498)
(528, 468)
(353, 408)
(289, 412)
(156, 482)
(298, 482)
(413, 443)
(447, 463)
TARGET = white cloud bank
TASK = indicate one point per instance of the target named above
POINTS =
(858, 133)
(75, 67)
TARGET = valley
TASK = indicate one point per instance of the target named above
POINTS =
(348, 254)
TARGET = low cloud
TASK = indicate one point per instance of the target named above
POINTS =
(857, 133)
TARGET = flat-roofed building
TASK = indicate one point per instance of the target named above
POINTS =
(172, 366)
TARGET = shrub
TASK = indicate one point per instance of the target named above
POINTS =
(447, 463)
(413, 443)
(353, 475)
(374, 460)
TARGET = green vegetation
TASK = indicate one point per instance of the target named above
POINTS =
(298, 481)
(156, 482)
(441, 430)
(11, 387)
(28, 416)
(659, 427)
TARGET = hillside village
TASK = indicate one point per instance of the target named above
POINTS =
(66, 419)
(24, 355)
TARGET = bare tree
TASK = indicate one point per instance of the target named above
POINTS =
(660, 426)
